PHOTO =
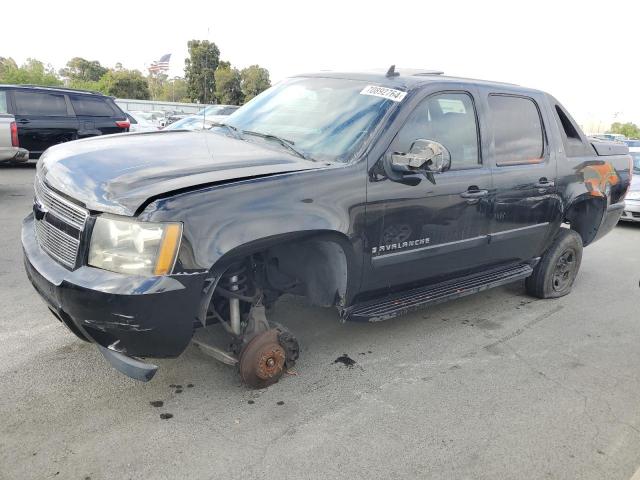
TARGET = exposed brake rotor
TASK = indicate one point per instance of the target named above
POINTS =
(262, 360)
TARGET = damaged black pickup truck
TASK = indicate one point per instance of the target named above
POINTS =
(374, 193)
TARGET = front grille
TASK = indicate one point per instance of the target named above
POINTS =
(62, 247)
(59, 226)
(61, 207)
(635, 214)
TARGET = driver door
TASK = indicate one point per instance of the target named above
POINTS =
(425, 228)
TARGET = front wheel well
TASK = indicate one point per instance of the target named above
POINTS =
(317, 268)
(319, 265)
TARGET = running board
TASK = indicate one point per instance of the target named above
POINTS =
(407, 301)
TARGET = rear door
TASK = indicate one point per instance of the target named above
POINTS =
(44, 119)
(526, 208)
(96, 115)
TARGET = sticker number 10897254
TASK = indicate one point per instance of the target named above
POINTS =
(383, 92)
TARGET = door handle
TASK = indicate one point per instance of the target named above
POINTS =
(544, 183)
(24, 120)
(474, 194)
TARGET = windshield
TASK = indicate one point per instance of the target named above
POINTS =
(325, 119)
(636, 161)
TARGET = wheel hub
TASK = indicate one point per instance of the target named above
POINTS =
(564, 271)
(262, 360)
(271, 362)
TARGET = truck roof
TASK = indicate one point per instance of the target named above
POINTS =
(410, 78)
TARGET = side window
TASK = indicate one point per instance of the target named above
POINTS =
(40, 103)
(517, 130)
(3, 102)
(446, 118)
(92, 107)
(573, 145)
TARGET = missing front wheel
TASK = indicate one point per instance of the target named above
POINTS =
(262, 350)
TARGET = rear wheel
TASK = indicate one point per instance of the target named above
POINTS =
(555, 273)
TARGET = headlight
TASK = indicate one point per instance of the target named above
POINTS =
(134, 248)
(635, 195)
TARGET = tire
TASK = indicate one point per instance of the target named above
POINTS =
(554, 275)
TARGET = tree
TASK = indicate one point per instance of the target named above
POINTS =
(228, 85)
(255, 79)
(7, 63)
(125, 84)
(88, 85)
(79, 69)
(199, 70)
(629, 130)
(157, 81)
(31, 72)
(172, 90)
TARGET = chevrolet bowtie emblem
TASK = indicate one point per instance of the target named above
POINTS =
(39, 210)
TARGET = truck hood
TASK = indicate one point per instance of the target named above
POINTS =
(118, 173)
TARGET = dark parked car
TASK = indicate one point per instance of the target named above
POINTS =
(373, 193)
(47, 116)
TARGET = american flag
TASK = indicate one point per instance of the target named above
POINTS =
(161, 65)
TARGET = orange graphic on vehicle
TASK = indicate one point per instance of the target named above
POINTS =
(599, 179)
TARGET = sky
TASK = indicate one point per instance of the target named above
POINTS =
(584, 53)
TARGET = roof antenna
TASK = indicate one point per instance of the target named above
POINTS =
(392, 72)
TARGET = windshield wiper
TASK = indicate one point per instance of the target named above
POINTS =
(233, 129)
(282, 141)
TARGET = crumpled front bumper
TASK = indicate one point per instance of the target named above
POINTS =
(130, 316)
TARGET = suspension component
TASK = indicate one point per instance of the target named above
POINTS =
(234, 284)
(291, 347)
(262, 350)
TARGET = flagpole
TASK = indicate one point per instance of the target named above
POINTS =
(148, 69)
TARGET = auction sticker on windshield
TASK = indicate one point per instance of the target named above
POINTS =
(383, 92)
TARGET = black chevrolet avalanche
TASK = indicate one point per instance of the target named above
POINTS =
(374, 193)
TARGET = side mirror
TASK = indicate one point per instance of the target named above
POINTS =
(424, 156)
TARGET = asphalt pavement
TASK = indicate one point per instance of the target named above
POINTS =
(491, 386)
